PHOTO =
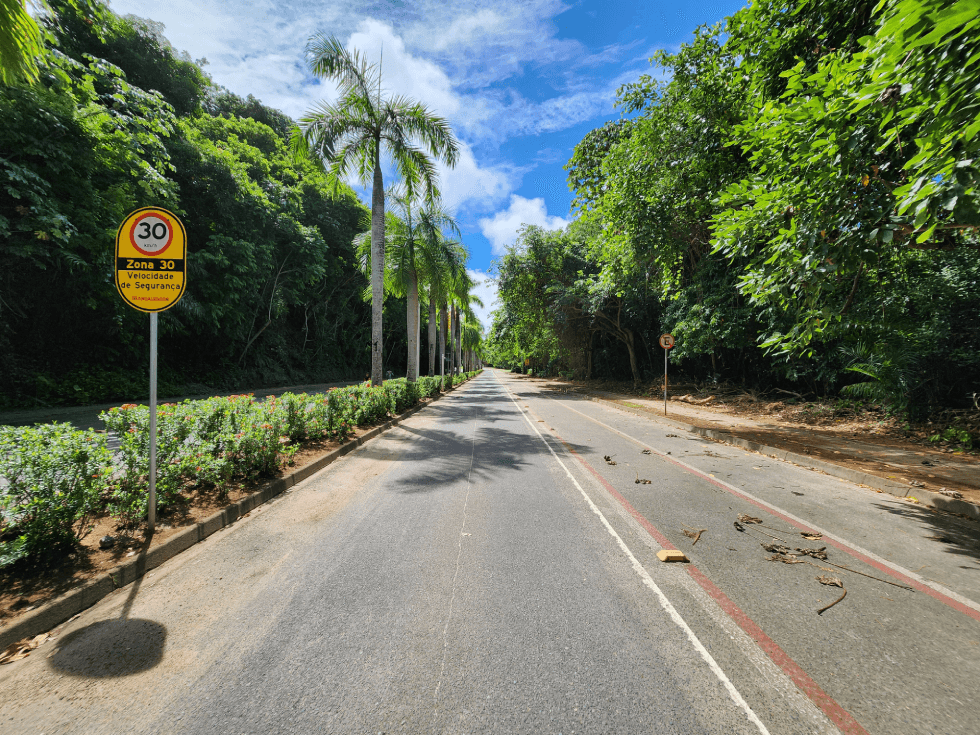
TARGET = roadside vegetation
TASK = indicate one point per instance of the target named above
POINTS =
(101, 115)
(793, 195)
(59, 479)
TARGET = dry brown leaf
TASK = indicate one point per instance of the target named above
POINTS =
(22, 649)
(785, 559)
(811, 536)
(820, 553)
(748, 519)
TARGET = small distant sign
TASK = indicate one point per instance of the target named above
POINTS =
(666, 341)
(151, 257)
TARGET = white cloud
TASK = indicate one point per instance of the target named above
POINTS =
(470, 185)
(501, 229)
(486, 290)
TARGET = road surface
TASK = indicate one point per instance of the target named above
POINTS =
(483, 569)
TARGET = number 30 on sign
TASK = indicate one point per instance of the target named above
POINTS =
(151, 249)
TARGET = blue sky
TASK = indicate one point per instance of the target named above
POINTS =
(521, 83)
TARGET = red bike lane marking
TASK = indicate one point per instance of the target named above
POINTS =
(837, 714)
(905, 579)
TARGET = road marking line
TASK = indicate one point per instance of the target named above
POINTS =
(933, 589)
(648, 581)
(834, 711)
(452, 599)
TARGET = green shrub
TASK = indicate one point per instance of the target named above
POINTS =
(55, 476)
(429, 387)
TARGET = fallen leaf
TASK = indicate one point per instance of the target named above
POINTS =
(609, 460)
(777, 549)
(820, 553)
(785, 559)
(748, 519)
(644, 451)
(811, 536)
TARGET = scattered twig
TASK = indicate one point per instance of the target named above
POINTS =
(833, 582)
(696, 535)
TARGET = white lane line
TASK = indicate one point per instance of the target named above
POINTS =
(648, 581)
(776, 509)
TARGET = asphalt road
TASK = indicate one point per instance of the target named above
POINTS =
(482, 569)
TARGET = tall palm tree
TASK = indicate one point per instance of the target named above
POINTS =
(352, 133)
(415, 250)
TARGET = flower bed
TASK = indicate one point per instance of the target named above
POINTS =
(57, 476)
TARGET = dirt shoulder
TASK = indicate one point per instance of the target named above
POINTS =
(848, 434)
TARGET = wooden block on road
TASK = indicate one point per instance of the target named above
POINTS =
(671, 555)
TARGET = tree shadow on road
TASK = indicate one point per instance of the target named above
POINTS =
(444, 457)
(957, 535)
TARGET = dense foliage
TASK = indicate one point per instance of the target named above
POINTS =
(119, 120)
(797, 203)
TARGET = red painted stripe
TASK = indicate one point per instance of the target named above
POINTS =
(935, 594)
(837, 714)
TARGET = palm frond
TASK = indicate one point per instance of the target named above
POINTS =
(328, 57)
(20, 43)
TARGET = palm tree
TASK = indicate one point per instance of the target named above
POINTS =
(415, 250)
(20, 44)
(440, 275)
(351, 135)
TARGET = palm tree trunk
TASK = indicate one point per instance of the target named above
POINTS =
(432, 331)
(459, 339)
(454, 321)
(442, 340)
(377, 269)
(413, 326)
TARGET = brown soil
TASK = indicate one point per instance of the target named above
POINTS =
(24, 587)
(846, 433)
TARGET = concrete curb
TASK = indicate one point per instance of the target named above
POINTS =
(926, 498)
(53, 613)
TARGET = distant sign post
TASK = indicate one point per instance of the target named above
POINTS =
(666, 341)
(151, 260)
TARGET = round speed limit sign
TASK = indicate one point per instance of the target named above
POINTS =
(151, 249)
(666, 341)
(151, 233)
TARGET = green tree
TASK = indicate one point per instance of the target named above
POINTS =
(352, 134)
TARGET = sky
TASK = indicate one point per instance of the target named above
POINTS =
(521, 83)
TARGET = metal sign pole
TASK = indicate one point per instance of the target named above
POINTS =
(665, 381)
(152, 509)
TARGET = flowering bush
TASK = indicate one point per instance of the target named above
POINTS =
(55, 475)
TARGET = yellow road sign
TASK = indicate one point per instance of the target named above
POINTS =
(151, 258)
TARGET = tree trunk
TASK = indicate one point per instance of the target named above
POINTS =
(630, 345)
(459, 339)
(452, 339)
(377, 269)
(432, 331)
(413, 326)
(442, 340)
